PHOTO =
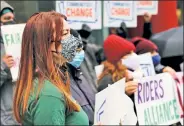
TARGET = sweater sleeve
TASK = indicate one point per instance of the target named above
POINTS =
(147, 31)
(49, 111)
(103, 83)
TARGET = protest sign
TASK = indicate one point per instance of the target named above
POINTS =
(99, 70)
(116, 12)
(146, 64)
(117, 104)
(179, 92)
(156, 102)
(12, 38)
(147, 6)
(81, 12)
(120, 106)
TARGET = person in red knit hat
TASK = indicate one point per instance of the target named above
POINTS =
(146, 46)
(117, 49)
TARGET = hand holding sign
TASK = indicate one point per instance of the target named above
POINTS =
(170, 70)
(131, 87)
(8, 60)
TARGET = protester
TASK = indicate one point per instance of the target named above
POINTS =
(80, 87)
(7, 12)
(116, 49)
(145, 46)
(7, 118)
(122, 31)
(90, 61)
(42, 95)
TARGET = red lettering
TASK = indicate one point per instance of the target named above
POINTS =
(79, 12)
(120, 11)
(145, 3)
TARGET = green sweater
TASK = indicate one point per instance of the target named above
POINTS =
(51, 109)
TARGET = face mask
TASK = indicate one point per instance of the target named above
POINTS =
(131, 62)
(78, 59)
(70, 46)
(9, 22)
(156, 59)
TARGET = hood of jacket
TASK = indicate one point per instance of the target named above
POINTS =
(5, 5)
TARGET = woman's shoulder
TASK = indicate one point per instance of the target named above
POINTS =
(49, 89)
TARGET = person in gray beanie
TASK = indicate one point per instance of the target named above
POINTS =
(6, 84)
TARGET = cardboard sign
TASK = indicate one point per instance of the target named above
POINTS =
(12, 38)
(147, 6)
(119, 105)
(146, 64)
(81, 12)
(116, 12)
(156, 102)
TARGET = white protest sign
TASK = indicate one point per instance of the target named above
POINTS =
(100, 102)
(147, 6)
(101, 110)
(156, 102)
(179, 92)
(116, 12)
(12, 38)
(146, 64)
(81, 12)
(99, 70)
(120, 106)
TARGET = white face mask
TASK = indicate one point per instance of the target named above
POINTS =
(131, 62)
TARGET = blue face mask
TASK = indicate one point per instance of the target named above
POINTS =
(156, 59)
(78, 59)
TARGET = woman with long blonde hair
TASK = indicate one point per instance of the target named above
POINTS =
(42, 95)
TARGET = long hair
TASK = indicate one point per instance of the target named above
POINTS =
(36, 53)
(118, 71)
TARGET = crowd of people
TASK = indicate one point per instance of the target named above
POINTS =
(57, 82)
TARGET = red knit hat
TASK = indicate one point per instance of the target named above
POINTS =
(143, 45)
(116, 47)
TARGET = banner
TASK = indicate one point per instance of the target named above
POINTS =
(156, 102)
(116, 12)
(146, 64)
(147, 6)
(12, 38)
(81, 12)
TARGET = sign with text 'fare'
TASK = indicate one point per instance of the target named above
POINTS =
(156, 101)
(12, 38)
(81, 12)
